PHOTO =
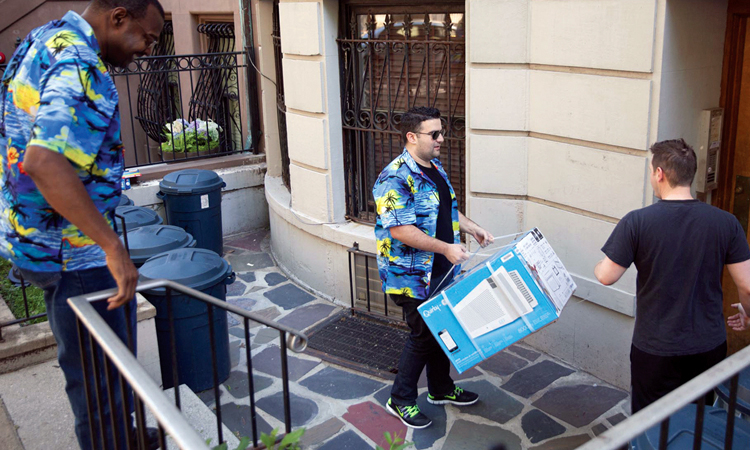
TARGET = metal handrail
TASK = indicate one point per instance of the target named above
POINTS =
(168, 415)
(297, 341)
(665, 407)
(164, 411)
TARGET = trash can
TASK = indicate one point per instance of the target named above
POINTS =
(204, 271)
(151, 240)
(192, 200)
(125, 201)
(681, 434)
(136, 217)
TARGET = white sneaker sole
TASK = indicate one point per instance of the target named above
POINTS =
(395, 413)
(445, 402)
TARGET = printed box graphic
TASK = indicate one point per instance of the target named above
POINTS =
(516, 291)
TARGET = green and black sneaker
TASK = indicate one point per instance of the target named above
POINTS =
(411, 416)
(458, 397)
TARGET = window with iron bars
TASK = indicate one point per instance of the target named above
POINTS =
(280, 103)
(394, 57)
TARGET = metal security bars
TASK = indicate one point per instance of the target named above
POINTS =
(154, 92)
(394, 58)
(655, 418)
(118, 372)
(280, 104)
(365, 286)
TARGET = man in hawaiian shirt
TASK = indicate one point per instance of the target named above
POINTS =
(419, 250)
(62, 162)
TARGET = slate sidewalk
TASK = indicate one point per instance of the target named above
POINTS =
(529, 400)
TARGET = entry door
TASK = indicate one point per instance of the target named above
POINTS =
(733, 194)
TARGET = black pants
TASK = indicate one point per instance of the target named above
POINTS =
(421, 350)
(654, 376)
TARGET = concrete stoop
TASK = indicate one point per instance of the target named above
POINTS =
(200, 417)
(33, 344)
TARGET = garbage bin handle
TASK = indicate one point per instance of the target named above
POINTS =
(230, 279)
(223, 184)
(160, 195)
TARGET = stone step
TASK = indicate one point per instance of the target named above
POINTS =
(200, 417)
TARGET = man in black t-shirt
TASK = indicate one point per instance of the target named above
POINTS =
(679, 246)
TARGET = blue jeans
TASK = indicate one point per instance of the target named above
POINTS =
(58, 287)
(421, 350)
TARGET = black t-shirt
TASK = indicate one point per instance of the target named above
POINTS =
(444, 231)
(680, 248)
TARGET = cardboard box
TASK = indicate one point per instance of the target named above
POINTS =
(512, 293)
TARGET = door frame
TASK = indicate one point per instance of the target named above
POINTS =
(731, 80)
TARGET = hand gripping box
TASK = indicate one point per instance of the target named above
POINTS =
(513, 293)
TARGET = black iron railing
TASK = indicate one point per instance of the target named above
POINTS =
(199, 89)
(391, 61)
(120, 370)
(724, 378)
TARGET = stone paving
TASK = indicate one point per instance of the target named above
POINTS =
(528, 400)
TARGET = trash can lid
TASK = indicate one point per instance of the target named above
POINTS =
(125, 201)
(148, 241)
(191, 181)
(136, 217)
(195, 268)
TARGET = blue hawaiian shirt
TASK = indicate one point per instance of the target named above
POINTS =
(404, 195)
(56, 93)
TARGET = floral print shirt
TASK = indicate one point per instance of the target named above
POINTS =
(56, 93)
(404, 195)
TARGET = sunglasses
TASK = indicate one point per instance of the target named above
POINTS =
(434, 134)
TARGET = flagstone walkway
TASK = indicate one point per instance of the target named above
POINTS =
(528, 400)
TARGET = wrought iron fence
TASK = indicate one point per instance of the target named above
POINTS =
(154, 92)
(709, 428)
(390, 62)
(103, 353)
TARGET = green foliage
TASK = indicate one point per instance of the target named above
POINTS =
(183, 136)
(395, 442)
(13, 296)
(289, 442)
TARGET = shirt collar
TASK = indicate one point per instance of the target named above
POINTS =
(76, 21)
(413, 166)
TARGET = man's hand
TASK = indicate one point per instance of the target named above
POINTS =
(484, 237)
(125, 274)
(739, 321)
(456, 254)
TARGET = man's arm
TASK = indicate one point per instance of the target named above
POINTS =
(59, 184)
(414, 237)
(740, 273)
(467, 225)
(608, 271)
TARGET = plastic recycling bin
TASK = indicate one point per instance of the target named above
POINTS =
(151, 240)
(192, 200)
(204, 271)
(136, 217)
(681, 431)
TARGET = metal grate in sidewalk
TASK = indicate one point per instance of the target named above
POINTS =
(359, 342)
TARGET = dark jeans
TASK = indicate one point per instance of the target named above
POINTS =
(421, 350)
(58, 287)
(654, 376)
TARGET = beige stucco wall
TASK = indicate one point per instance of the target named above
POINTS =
(563, 101)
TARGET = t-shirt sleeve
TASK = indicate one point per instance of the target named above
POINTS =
(738, 250)
(394, 201)
(621, 245)
(74, 111)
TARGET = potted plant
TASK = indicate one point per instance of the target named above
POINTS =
(186, 139)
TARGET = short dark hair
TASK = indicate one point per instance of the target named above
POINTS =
(411, 121)
(137, 8)
(677, 159)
